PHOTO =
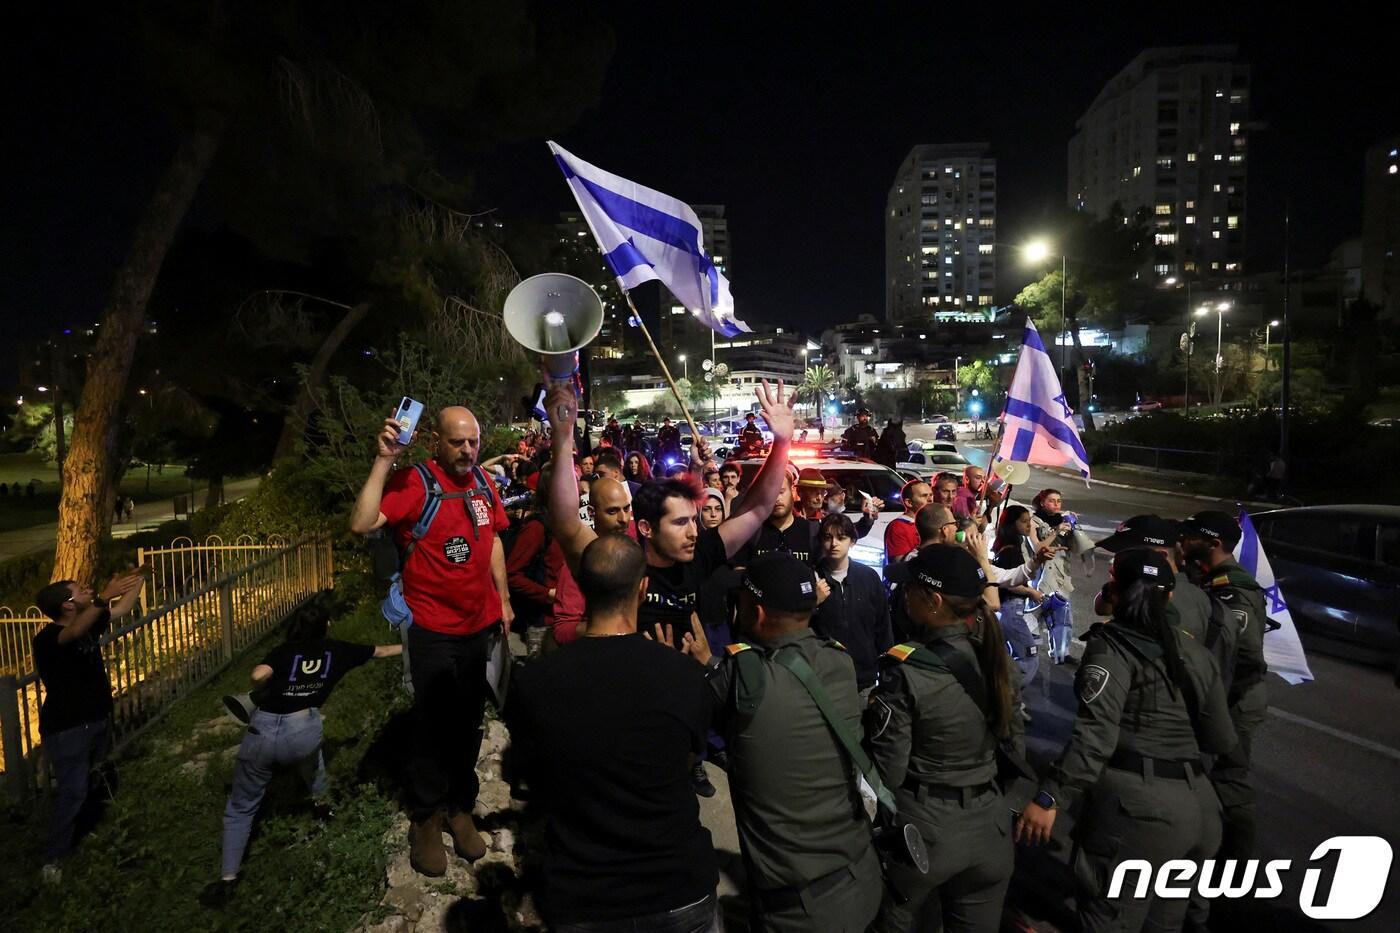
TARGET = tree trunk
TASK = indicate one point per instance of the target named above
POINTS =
(294, 428)
(83, 516)
(1085, 396)
(214, 495)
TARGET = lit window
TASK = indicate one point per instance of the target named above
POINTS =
(930, 250)
(985, 249)
(1162, 269)
(1214, 235)
(1219, 93)
(1234, 129)
(1189, 267)
(1190, 218)
(947, 260)
(1190, 204)
(1215, 188)
(1236, 98)
(1233, 222)
(1163, 210)
(986, 222)
(718, 259)
(1219, 157)
(1137, 170)
(1232, 267)
(947, 221)
(1190, 157)
(1165, 239)
(1164, 163)
(1237, 158)
(1215, 266)
(947, 170)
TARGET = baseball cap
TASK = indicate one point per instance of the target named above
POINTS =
(1142, 531)
(750, 415)
(1210, 524)
(812, 478)
(782, 583)
(863, 411)
(949, 570)
(1143, 564)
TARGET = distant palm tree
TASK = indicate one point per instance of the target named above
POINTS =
(818, 383)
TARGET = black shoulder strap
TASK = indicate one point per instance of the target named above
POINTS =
(962, 668)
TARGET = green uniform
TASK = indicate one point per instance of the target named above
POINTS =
(1239, 592)
(802, 826)
(1189, 610)
(1135, 749)
(935, 751)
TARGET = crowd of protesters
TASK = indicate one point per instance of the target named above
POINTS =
(869, 722)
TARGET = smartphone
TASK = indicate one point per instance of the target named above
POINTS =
(407, 416)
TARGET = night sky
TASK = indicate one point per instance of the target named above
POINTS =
(797, 123)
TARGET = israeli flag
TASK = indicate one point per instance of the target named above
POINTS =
(1037, 424)
(1283, 651)
(644, 235)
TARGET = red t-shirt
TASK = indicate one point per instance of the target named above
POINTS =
(447, 579)
(566, 615)
(901, 537)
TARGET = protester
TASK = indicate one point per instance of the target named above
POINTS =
(533, 560)
(290, 685)
(729, 477)
(1056, 580)
(935, 745)
(900, 535)
(974, 490)
(945, 489)
(609, 463)
(856, 612)
(610, 767)
(638, 470)
(610, 513)
(585, 465)
(784, 530)
(711, 479)
(808, 847)
(1150, 702)
(75, 718)
(712, 511)
(454, 584)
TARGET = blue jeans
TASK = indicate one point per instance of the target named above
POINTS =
(1060, 622)
(291, 739)
(73, 754)
(701, 917)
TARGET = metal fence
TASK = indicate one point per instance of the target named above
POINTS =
(189, 636)
(1208, 462)
(16, 631)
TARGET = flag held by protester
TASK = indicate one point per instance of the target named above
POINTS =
(1283, 650)
(1037, 423)
(645, 235)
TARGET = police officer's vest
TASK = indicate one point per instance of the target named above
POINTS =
(750, 679)
(1244, 670)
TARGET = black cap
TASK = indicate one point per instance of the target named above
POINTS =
(1142, 531)
(1219, 525)
(750, 415)
(782, 583)
(949, 570)
(863, 411)
(1142, 564)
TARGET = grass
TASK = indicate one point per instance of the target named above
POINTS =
(21, 511)
(158, 843)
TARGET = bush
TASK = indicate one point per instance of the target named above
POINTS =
(291, 502)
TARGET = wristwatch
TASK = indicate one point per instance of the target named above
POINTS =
(1043, 799)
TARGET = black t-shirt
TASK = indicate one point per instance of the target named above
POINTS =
(303, 674)
(799, 539)
(604, 729)
(673, 592)
(76, 688)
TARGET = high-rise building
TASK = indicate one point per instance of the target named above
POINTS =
(1380, 227)
(940, 235)
(578, 252)
(678, 329)
(1168, 134)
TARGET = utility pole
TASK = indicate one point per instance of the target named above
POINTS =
(1285, 393)
(60, 442)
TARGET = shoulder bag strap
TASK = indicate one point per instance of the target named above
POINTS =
(432, 501)
(797, 664)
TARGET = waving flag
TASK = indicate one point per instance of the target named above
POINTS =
(647, 235)
(1283, 651)
(1037, 424)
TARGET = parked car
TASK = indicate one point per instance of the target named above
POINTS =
(1338, 567)
(926, 447)
(925, 465)
(1147, 406)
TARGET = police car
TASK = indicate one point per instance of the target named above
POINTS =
(856, 476)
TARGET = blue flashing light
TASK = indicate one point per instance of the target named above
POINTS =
(974, 408)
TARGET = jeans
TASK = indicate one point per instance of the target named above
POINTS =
(272, 739)
(701, 917)
(1060, 621)
(73, 755)
(449, 697)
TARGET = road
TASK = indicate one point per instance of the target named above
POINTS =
(1326, 763)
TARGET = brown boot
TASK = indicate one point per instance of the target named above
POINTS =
(426, 852)
(465, 839)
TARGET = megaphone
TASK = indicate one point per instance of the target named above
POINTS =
(1013, 471)
(240, 706)
(1080, 543)
(554, 315)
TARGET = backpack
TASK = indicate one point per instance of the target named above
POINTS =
(388, 556)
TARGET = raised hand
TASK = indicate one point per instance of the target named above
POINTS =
(663, 634)
(695, 643)
(561, 407)
(388, 440)
(777, 411)
(872, 506)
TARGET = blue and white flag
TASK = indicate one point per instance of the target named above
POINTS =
(1037, 424)
(1283, 651)
(644, 235)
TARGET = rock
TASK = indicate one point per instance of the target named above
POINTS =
(494, 797)
(408, 900)
(397, 923)
(503, 841)
(400, 873)
(495, 740)
(488, 771)
(526, 914)
(434, 918)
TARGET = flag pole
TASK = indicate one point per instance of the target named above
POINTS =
(665, 370)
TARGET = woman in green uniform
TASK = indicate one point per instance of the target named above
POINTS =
(1150, 702)
(934, 722)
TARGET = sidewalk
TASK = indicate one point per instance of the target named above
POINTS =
(147, 515)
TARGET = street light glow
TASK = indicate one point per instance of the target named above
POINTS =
(1037, 251)
(1274, 323)
(42, 388)
(1169, 280)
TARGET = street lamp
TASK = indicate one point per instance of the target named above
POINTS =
(685, 373)
(1036, 252)
(1220, 308)
(1186, 345)
(804, 359)
(1267, 328)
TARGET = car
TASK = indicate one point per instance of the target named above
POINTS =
(856, 476)
(925, 465)
(1338, 568)
(1147, 406)
(927, 447)
(934, 419)
(945, 432)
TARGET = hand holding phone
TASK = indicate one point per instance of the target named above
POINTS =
(407, 416)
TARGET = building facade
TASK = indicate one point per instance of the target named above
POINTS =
(1168, 134)
(1380, 228)
(940, 236)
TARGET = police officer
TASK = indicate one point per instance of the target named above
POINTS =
(1208, 541)
(803, 830)
(861, 438)
(1150, 702)
(612, 434)
(936, 748)
(750, 438)
(1189, 609)
(668, 440)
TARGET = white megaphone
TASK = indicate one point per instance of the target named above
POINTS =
(1013, 471)
(555, 315)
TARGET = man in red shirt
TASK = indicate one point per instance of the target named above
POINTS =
(972, 489)
(454, 582)
(610, 506)
(901, 536)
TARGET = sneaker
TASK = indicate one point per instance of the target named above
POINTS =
(701, 781)
(51, 873)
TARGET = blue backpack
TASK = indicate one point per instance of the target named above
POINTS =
(394, 608)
